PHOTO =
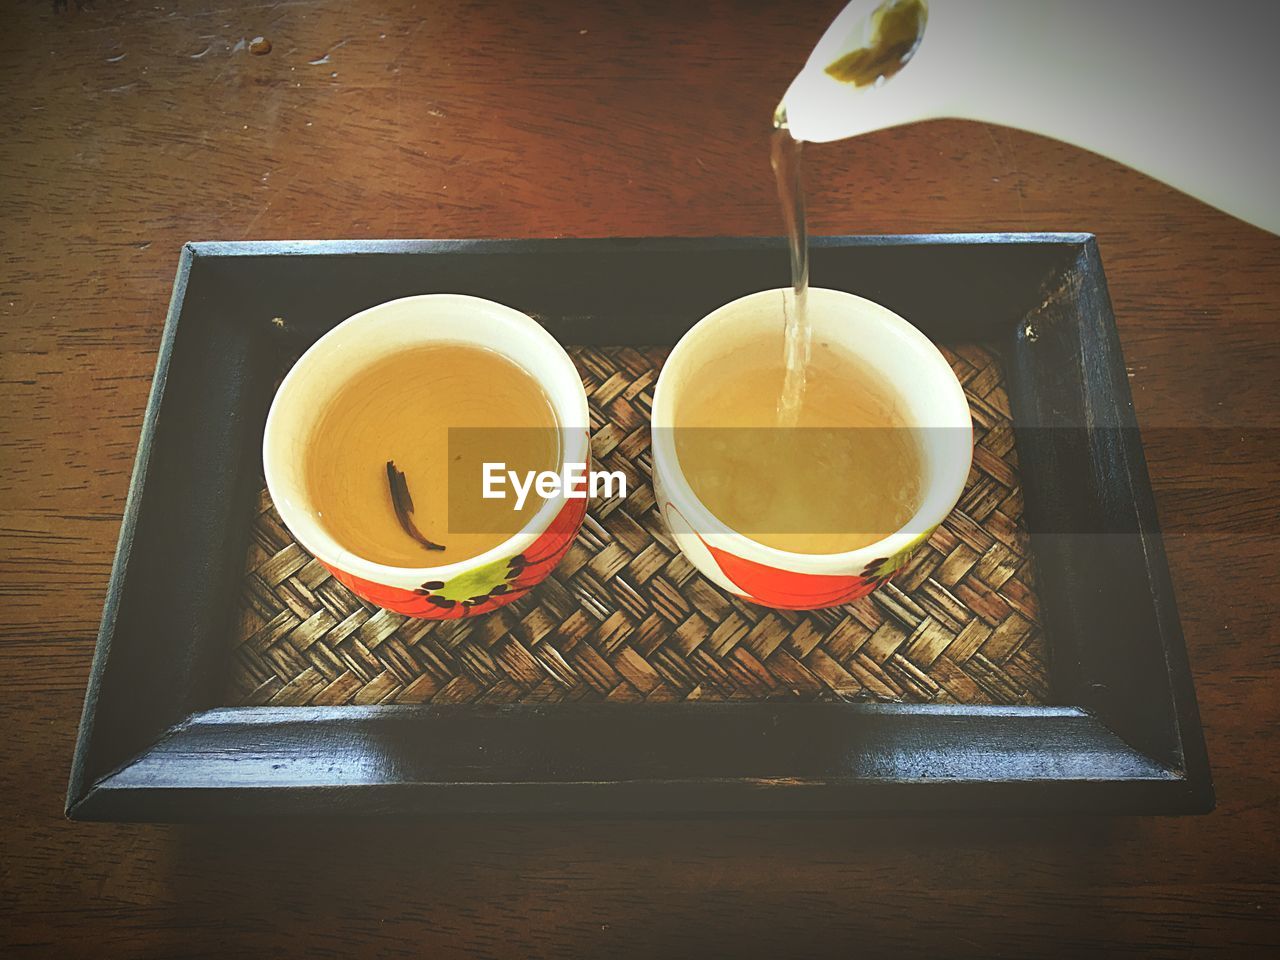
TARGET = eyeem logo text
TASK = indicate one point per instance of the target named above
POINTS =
(574, 480)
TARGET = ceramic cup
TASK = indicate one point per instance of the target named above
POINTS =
(468, 587)
(929, 396)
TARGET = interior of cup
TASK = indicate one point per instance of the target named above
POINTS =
(378, 332)
(929, 398)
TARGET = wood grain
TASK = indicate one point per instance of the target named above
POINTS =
(130, 129)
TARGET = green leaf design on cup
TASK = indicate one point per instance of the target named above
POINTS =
(880, 570)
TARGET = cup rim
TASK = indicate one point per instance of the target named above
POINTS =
(716, 533)
(575, 443)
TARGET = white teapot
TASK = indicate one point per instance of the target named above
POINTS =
(1182, 91)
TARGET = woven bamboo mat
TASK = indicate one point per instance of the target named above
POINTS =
(625, 617)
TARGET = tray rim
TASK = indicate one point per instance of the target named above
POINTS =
(177, 775)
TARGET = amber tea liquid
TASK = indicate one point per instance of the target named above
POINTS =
(399, 409)
(846, 474)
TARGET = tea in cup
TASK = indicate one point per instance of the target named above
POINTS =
(377, 441)
(821, 511)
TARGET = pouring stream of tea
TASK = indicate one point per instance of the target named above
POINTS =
(798, 334)
(888, 38)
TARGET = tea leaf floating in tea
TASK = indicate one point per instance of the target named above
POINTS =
(442, 410)
(403, 504)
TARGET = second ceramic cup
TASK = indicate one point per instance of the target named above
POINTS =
(933, 403)
(468, 587)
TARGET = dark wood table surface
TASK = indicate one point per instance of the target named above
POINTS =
(129, 128)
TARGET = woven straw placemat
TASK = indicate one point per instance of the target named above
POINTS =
(626, 617)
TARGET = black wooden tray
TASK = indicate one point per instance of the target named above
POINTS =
(1119, 731)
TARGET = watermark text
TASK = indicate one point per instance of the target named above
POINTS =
(575, 481)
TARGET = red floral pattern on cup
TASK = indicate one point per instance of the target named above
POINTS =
(476, 592)
(789, 590)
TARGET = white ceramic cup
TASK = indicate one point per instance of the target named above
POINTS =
(467, 587)
(931, 400)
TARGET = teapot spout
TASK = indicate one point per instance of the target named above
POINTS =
(865, 48)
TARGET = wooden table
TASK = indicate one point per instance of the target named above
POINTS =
(130, 128)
